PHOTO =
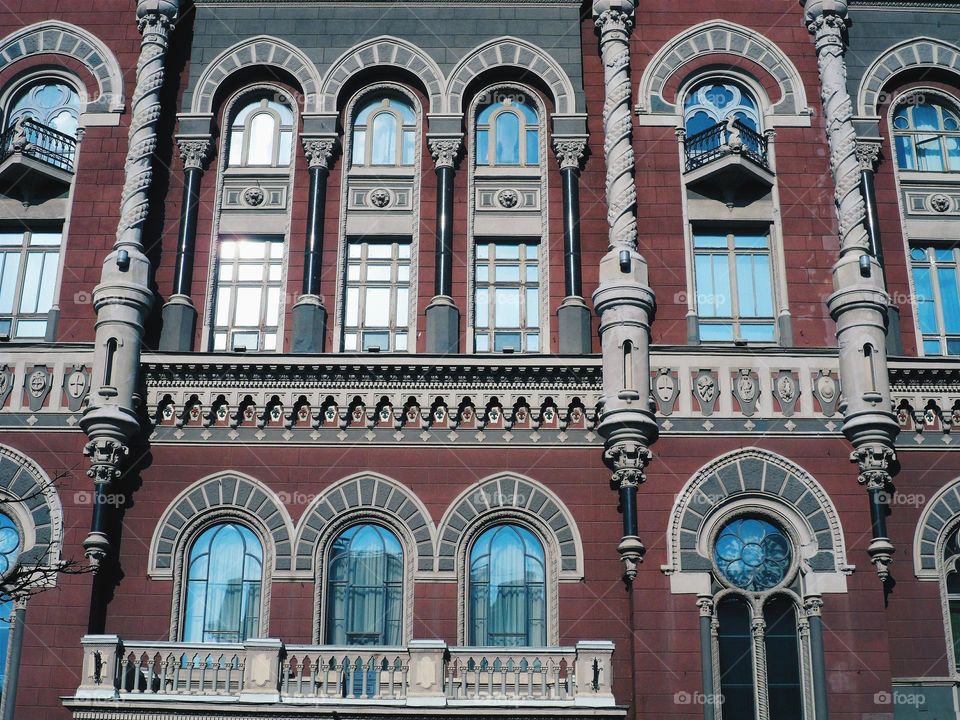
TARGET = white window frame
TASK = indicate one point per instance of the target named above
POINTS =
(491, 284)
(361, 283)
(23, 251)
(933, 265)
(367, 129)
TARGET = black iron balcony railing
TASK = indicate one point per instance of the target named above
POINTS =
(723, 139)
(40, 142)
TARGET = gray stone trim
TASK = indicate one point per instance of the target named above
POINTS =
(260, 50)
(60, 38)
(227, 491)
(721, 36)
(510, 51)
(906, 55)
(31, 500)
(368, 495)
(940, 515)
(379, 52)
(764, 477)
(523, 497)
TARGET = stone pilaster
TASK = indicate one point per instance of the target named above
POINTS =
(623, 298)
(859, 303)
(123, 297)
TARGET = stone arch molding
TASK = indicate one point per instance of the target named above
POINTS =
(366, 496)
(510, 494)
(382, 51)
(907, 55)
(721, 36)
(755, 478)
(60, 38)
(262, 50)
(230, 494)
(31, 499)
(518, 53)
(940, 516)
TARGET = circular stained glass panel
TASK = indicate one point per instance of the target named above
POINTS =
(9, 544)
(752, 554)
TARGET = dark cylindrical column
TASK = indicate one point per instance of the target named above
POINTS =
(571, 231)
(820, 711)
(183, 275)
(628, 506)
(443, 281)
(315, 216)
(706, 656)
(18, 622)
(878, 514)
(869, 192)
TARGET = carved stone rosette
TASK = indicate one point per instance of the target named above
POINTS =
(319, 151)
(445, 151)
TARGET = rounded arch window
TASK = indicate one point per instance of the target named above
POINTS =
(507, 587)
(365, 587)
(508, 132)
(717, 101)
(753, 554)
(9, 544)
(224, 578)
(50, 102)
(261, 134)
(384, 132)
(951, 587)
(927, 134)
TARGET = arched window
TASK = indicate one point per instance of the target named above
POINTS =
(951, 586)
(384, 133)
(224, 577)
(365, 587)
(714, 101)
(261, 135)
(927, 135)
(508, 133)
(507, 588)
(753, 559)
(49, 102)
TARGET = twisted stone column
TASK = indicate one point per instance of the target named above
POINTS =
(859, 302)
(123, 297)
(623, 298)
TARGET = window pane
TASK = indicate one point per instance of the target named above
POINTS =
(248, 306)
(31, 282)
(250, 272)
(286, 147)
(783, 660)
(376, 312)
(262, 129)
(716, 332)
(51, 263)
(926, 307)
(359, 146)
(754, 295)
(249, 341)
(353, 306)
(507, 308)
(533, 342)
(932, 347)
(403, 307)
(905, 159)
(507, 135)
(533, 147)
(736, 658)
(10, 262)
(929, 153)
(45, 238)
(31, 328)
(508, 273)
(757, 332)
(379, 340)
(384, 149)
(409, 144)
(950, 299)
(273, 306)
(533, 308)
(482, 307)
(223, 307)
(506, 251)
(701, 240)
(483, 148)
(378, 273)
(504, 340)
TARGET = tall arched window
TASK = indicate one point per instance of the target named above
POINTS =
(508, 133)
(716, 101)
(50, 102)
(927, 135)
(507, 588)
(753, 560)
(223, 587)
(261, 135)
(365, 587)
(384, 133)
(951, 586)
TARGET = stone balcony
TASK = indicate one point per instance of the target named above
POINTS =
(146, 680)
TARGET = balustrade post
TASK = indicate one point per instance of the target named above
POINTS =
(99, 675)
(261, 670)
(425, 678)
(593, 668)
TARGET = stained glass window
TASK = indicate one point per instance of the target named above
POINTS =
(753, 554)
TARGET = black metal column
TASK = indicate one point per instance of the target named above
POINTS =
(315, 218)
(443, 281)
(183, 275)
(571, 231)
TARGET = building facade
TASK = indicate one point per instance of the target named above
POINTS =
(472, 358)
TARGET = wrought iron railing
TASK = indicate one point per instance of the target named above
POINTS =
(722, 139)
(39, 142)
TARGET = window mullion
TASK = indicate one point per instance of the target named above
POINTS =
(758, 630)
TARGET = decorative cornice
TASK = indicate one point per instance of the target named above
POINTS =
(445, 150)
(570, 151)
(319, 151)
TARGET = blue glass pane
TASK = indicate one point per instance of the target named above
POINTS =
(383, 150)
(757, 332)
(529, 114)
(699, 122)
(953, 153)
(735, 645)
(409, 144)
(750, 241)
(5, 609)
(754, 295)
(533, 147)
(953, 347)
(929, 153)
(487, 112)
(483, 148)
(950, 299)
(507, 134)
(925, 117)
(9, 550)
(926, 308)
(363, 116)
(931, 347)
(905, 159)
(900, 120)
(407, 115)
(702, 240)
(752, 554)
(785, 689)
(716, 332)
(712, 277)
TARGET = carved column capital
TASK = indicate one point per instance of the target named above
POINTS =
(813, 605)
(706, 605)
(445, 150)
(868, 153)
(195, 152)
(874, 463)
(570, 151)
(106, 458)
(614, 17)
(319, 151)
(628, 460)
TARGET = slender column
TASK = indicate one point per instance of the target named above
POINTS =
(309, 313)
(623, 299)
(179, 313)
(443, 317)
(705, 603)
(868, 154)
(123, 297)
(573, 315)
(813, 606)
(18, 619)
(859, 302)
(759, 631)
